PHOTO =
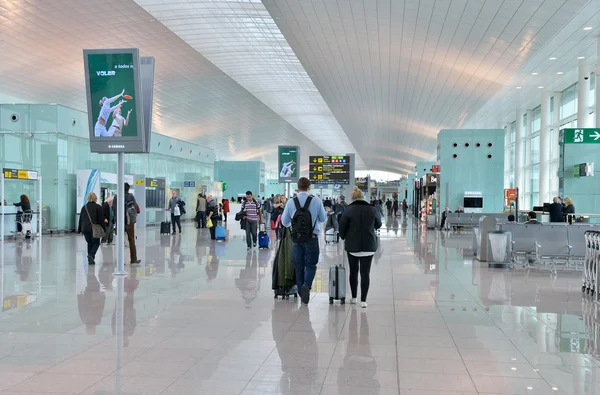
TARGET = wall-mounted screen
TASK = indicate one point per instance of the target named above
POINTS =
(473, 202)
(288, 164)
(114, 96)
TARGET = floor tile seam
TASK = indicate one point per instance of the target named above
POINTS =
(459, 352)
(337, 343)
(397, 356)
(269, 356)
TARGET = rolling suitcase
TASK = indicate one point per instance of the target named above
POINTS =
(165, 228)
(337, 284)
(263, 239)
(220, 233)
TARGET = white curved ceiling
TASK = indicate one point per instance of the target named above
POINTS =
(378, 77)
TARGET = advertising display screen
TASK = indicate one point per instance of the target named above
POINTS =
(327, 170)
(361, 183)
(114, 96)
(288, 164)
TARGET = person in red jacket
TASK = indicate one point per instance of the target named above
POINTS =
(225, 209)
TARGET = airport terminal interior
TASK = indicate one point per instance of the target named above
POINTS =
(467, 128)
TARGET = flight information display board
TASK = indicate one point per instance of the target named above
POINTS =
(326, 170)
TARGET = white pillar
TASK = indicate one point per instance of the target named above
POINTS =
(506, 156)
(597, 91)
(556, 114)
(583, 94)
(544, 180)
(519, 149)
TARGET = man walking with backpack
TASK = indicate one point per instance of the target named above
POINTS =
(304, 214)
(131, 212)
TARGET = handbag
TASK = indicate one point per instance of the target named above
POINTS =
(97, 230)
(176, 211)
(209, 223)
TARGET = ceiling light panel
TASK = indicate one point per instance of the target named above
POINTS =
(243, 40)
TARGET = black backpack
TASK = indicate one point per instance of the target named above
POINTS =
(302, 225)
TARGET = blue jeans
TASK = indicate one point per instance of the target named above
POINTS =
(306, 257)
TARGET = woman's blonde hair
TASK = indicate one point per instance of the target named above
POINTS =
(568, 201)
(92, 197)
(357, 194)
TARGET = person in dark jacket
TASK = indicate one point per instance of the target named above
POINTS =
(357, 229)
(25, 207)
(108, 220)
(569, 209)
(211, 213)
(395, 207)
(556, 211)
(91, 214)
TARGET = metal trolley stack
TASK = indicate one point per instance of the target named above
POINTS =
(590, 265)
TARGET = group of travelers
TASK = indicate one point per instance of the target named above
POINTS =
(559, 211)
(394, 205)
(209, 213)
(358, 221)
(96, 223)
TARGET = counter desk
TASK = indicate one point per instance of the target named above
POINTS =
(10, 220)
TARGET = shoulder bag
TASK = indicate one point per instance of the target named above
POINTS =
(97, 230)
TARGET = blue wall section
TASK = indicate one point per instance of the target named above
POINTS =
(241, 177)
(423, 168)
(471, 169)
(584, 191)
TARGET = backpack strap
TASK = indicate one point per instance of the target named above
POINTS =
(307, 203)
(297, 203)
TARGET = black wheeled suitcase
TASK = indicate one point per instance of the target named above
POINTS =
(165, 228)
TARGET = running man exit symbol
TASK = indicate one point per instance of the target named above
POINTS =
(578, 138)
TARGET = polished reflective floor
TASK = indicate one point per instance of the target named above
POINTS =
(198, 317)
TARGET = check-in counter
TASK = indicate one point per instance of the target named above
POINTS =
(10, 220)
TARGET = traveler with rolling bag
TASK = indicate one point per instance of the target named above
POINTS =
(357, 228)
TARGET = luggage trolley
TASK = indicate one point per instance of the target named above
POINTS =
(590, 264)
(24, 222)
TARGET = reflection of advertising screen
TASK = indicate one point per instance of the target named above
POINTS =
(288, 164)
(112, 90)
(114, 94)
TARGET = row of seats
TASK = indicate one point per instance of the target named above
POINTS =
(470, 219)
(556, 243)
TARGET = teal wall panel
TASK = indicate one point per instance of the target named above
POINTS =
(471, 169)
(241, 176)
(584, 191)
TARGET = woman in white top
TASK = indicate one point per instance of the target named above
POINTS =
(105, 111)
(357, 228)
(116, 128)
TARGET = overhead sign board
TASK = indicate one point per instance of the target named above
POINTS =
(288, 163)
(362, 183)
(329, 169)
(156, 182)
(189, 184)
(19, 174)
(115, 104)
(581, 136)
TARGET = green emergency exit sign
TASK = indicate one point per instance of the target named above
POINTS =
(582, 136)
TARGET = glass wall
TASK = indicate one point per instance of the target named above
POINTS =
(57, 156)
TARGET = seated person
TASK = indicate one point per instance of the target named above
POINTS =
(511, 219)
(532, 219)
(556, 210)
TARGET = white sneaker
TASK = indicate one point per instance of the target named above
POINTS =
(353, 301)
(363, 305)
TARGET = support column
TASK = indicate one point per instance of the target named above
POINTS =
(544, 180)
(597, 91)
(507, 157)
(519, 133)
(583, 94)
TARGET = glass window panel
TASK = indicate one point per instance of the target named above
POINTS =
(535, 150)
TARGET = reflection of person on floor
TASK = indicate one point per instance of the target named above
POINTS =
(212, 264)
(288, 381)
(23, 262)
(129, 314)
(175, 257)
(91, 302)
(116, 128)
(247, 282)
(105, 111)
(359, 361)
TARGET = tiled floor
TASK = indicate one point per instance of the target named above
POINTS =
(199, 318)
